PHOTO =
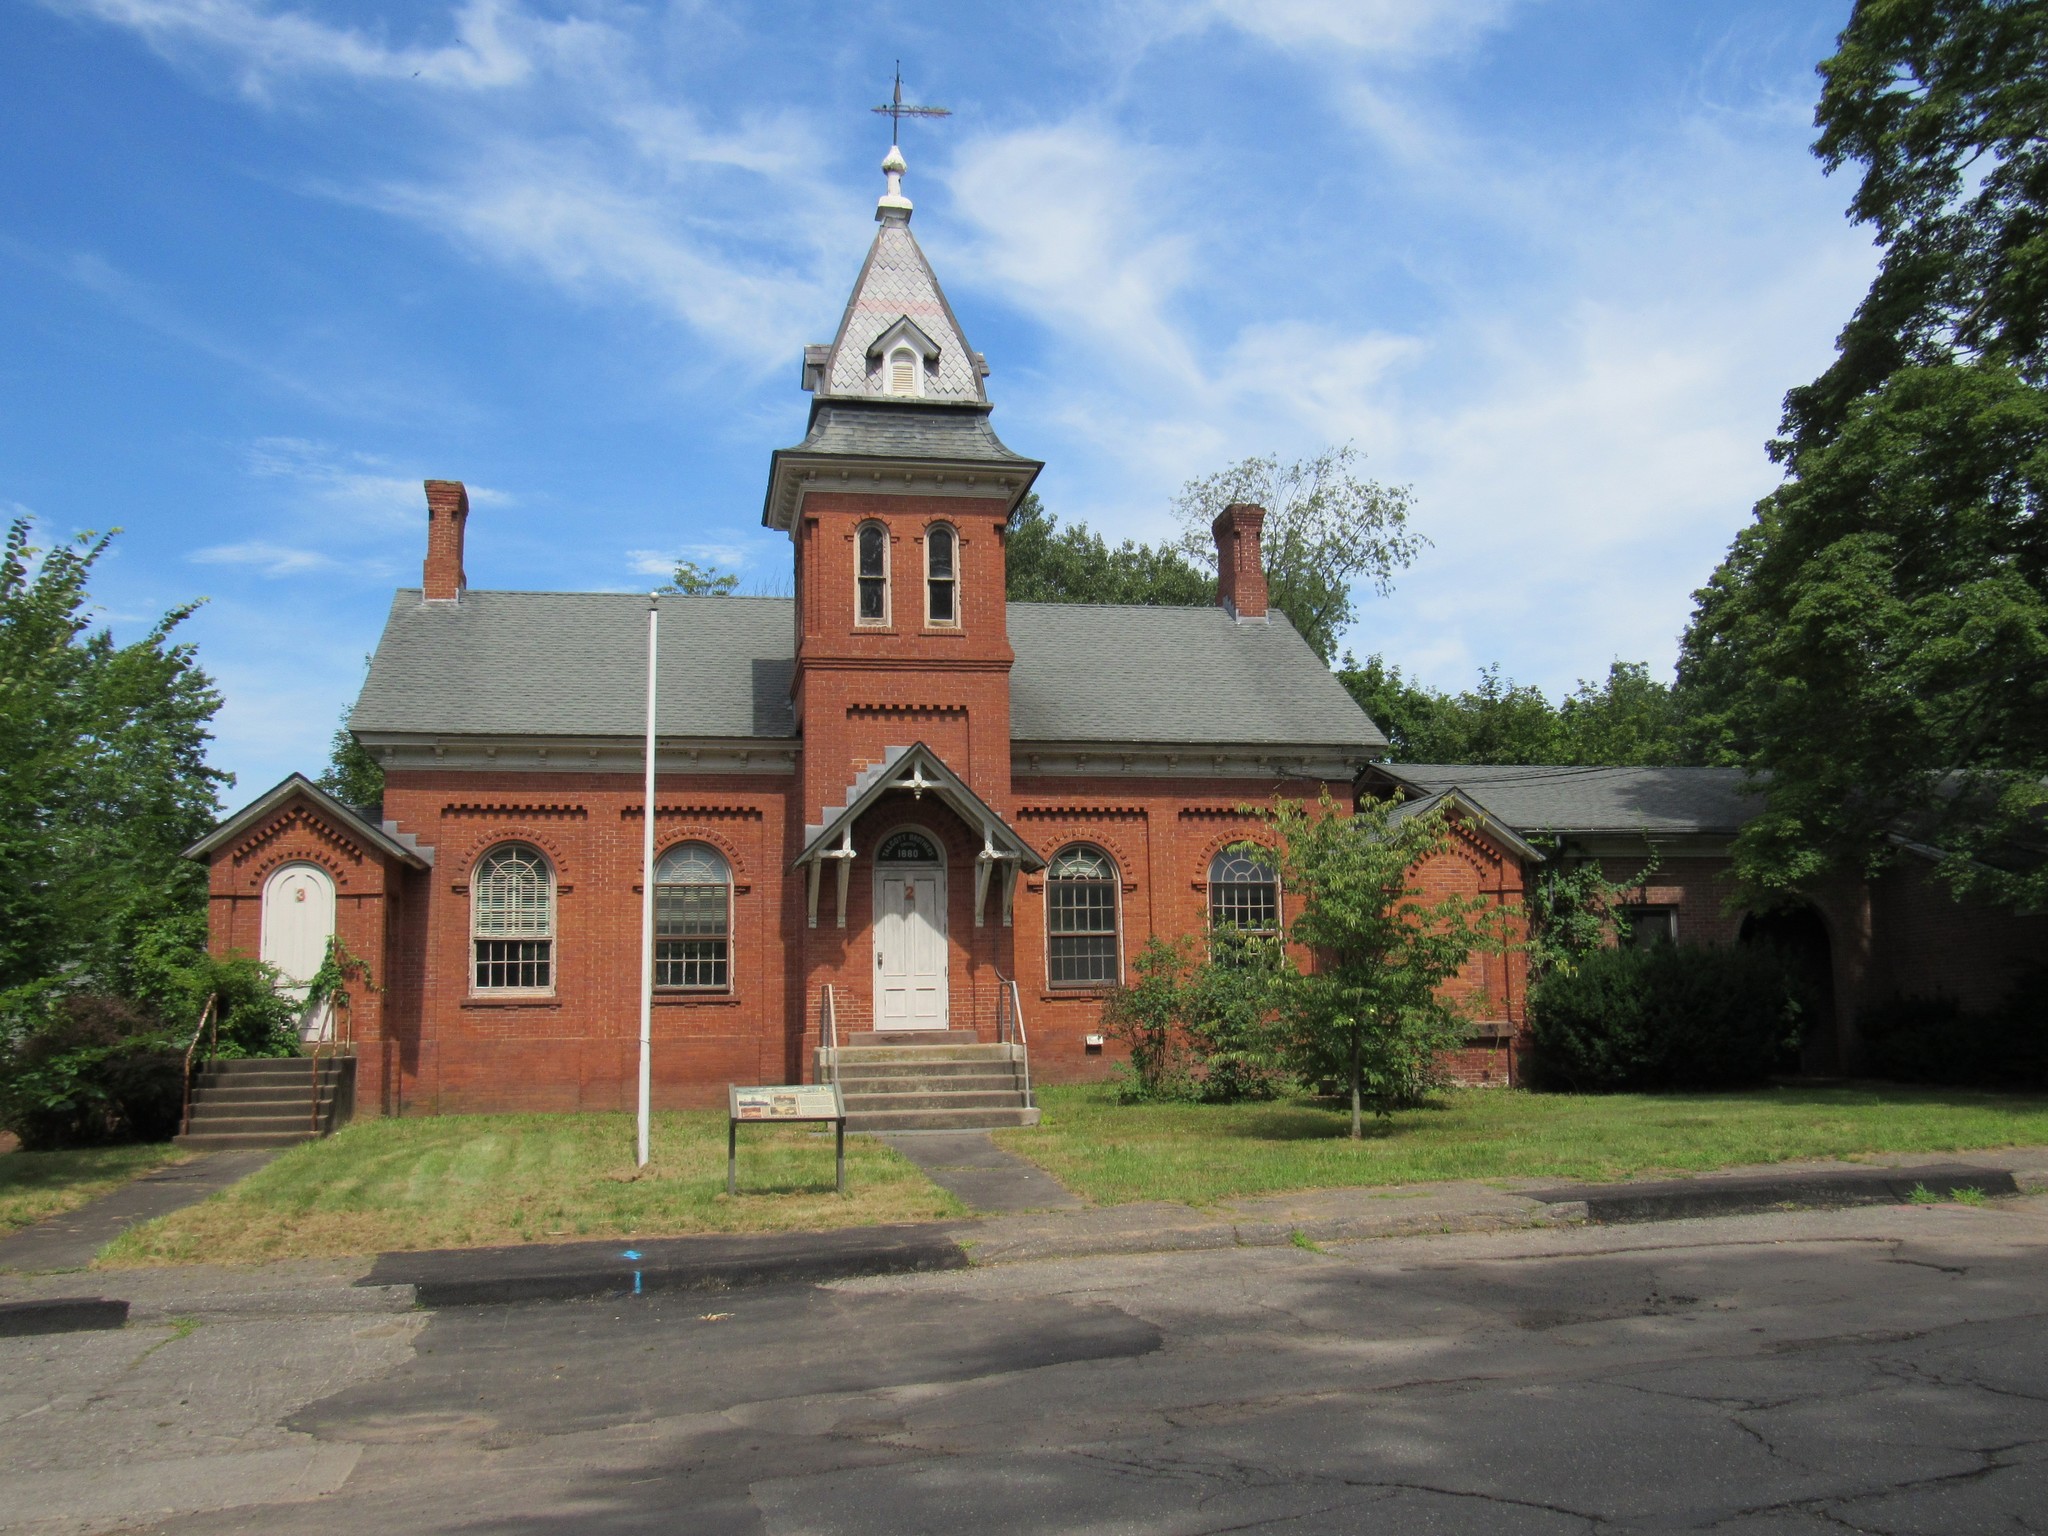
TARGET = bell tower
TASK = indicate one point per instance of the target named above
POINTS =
(895, 503)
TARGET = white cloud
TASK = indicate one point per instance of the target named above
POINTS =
(493, 44)
(1385, 28)
(270, 560)
(662, 563)
(359, 488)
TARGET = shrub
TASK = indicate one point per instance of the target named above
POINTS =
(1665, 1016)
(1914, 1039)
(1145, 1014)
(85, 1070)
(1196, 1030)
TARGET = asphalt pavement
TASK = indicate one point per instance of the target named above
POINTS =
(1875, 1369)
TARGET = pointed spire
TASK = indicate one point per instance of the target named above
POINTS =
(893, 207)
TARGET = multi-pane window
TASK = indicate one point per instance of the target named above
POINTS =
(1244, 895)
(1080, 919)
(1643, 926)
(942, 575)
(693, 919)
(512, 920)
(872, 553)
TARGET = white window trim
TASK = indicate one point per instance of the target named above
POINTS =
(551, 936)
(955, 621)
(731, 937)
(903, 350)
(888, 584)
(1116, 897)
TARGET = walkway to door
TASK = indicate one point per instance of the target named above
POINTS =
(970, 1165)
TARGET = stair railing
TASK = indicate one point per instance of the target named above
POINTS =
(341, 1032)
(828, 1035)
(210, 1014)
(1010, 1028)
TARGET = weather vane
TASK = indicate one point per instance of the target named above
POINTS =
(895, 110)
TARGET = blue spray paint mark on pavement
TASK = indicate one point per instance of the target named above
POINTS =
(630, 1253)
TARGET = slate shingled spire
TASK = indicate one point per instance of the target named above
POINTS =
(896, 302)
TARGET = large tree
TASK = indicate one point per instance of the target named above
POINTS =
(1628, 720)
(105, 780)
(1327, 529)
(1875, 646)
(1044, 562)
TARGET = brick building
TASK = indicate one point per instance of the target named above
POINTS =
(897, 804)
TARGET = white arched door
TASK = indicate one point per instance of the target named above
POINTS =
(910, 933)
(298, 920)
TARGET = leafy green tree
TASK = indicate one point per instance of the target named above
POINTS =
(1326, 530)
(353, 775)
(1875, 645)
(694, 580)
(1630, 720)
(1047, 563)
(1372, 1001)
(106, 780)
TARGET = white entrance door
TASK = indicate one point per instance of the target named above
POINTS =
(298, 920)
(910, 948)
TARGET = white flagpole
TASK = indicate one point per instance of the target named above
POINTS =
(647, 895)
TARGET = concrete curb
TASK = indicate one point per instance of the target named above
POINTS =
(1682, 1199)
(582, 1271)
(60, 1314)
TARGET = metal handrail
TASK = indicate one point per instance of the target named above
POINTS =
(210, 1013)
(344, 1023)
(828, 1034)
(1009, 1020)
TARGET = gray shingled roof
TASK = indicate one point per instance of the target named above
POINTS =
(874, 430)
(897, 283)
(1105, 673)
(1534, 799)
(569, 664)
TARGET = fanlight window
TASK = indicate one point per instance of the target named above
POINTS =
(512, 920)
(693, 919)
(942, 575)
(873, 580)
(907, 848)
(903, 372)
(1080, 919)
(1244, 895)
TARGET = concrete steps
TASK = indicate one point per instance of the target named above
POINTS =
(938, 1080)
(268, 1102)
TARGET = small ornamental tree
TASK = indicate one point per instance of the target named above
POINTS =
(1371, 1001)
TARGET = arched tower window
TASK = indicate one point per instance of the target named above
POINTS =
(512, 920)
(941, 575)
(1081, 939)
(872, 581)
(693, 919)
(1244, 896)
(905, 372)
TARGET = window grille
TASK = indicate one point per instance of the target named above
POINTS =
(1080, 919)
(1244, 897)
(873, 578)
(941, 548)
(693, 919)
(512, 921)
(902, 372)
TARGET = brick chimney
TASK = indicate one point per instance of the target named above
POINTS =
(447, 514)
(1240, 574)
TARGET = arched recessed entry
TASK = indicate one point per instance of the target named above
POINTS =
(298, 920)
(1800, 936)
(910, 932)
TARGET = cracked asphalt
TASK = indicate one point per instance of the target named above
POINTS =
(1880, 1370)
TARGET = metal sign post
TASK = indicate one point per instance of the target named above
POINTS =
(789, 1104)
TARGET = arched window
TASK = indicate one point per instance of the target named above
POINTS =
(904, 372)
(693, 919)
(1244, 895)
(941, 575)
(872, 547)
(1080, 919)
(512, 920)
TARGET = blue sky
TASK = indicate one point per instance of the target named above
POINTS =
(265, 266)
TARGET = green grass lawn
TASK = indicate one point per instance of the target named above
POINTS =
(1200, 1153)
(468, 1180)
(34, 1185)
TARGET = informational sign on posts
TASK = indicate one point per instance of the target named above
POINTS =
(784, 1104)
